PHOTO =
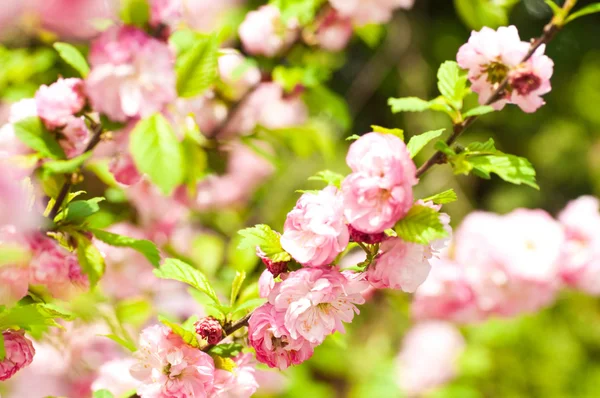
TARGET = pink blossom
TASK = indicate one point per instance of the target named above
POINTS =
(124, 169)
(19, 353)
(365, 12)
(488, 56)
(209, 329)
(237, 78)
(239, 383)
(10, 145)
(132, 74)
(114, 376)
(266, 283)
(273, 343)
(401, 265)
(56, 104)
(581, 264)
(207, 15)
(168, 368)
(16, 201)
(429, 356)
(316, 301)
(379, 191)
(334, 32)
(74, 137)
(314, 232)
(14, 283)
(531, 80)
(264, 33)
(165, 12)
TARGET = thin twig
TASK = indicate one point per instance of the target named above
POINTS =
(240, 323)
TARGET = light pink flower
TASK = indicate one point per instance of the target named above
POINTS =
(56, 104)
(165, 12)
(114, 376)
(19, 353)
(379, 191)
(14, 282)
(124, 170)
(489, 55)
(16, 201)
(334, 32)
(10, 145)
(237, 78)
(401, 265)
(365, 12)
(429, 356)
(74, 137)
(266, 283)
(531, 80)
(314, 232)
(581, 265)
(207, 16)
(316, 301)
(132, 74)
(169, 368)
(273, 343)
(239, 383)
(264, 33)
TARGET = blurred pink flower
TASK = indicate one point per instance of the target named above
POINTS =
(207, 111)
(365, 12)
(165, 12)
(273, 343)
(264, 33)
(208, 15)
(132, 74)
(57, 103)
(316, 301)
(19, 353)
(124, 170)
(239, 383)
(114, 376)
(167, 367)
(429, 356)
(334, 32)
(16, 201)
(10, 145)
(74, 137)
(14, 283)
(379, 191)
(315, 232)
(237, 76)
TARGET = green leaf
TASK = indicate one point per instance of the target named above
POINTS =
(321, 101)
(157, 152)
(397, 132)
(353, 137)
(78, 210)
(103, 394)
(290, 77)
(441, 198)
(135, 12)
(487, 146)
(249, 305)
(134, 312)
(129, 345)
(188, 337)
(408, 104)
(510, 168)
(90, 258)
(418, 142)
(479, 13)
(371, 34)
(266, 239)
(556, 10)
(65, 166)
(32, 132)
(452, 83)
(421, 225)
(31, 315)
(329, 177)
(145, 247)
(180, 271)
(303, 11)
(2, 348)
(587, 10)
(480, 110)
(227, 350)
(444, 148)
(238, 281)
(73, 57)
(197, 68)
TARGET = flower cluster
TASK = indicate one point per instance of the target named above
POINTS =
(491, 57)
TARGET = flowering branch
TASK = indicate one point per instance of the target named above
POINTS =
(227, 331)
(550, 31)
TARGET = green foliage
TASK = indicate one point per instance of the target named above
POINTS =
(189, 337)
(587, 10)
(321, 101)
(2, 348)
(103, 394)
(383, 130)
(304, 11)
(197, 68)
(479, 13)
(238, 281)
(266, 239)
(134, 312)
(135, 12)
(478, 111)
(73, 57)
(89, 257)
(418, 142)
(371, 34)
(556, 10)
(441, 198)
(77, 211)
(329, 177)
(226, 350)
(421, 225)
(180, 271)
(32, 132)
(157, 152)
(143, 246)
(125, 343)
(452, 83)
(13, 254)
(409, 104)
(65, 166)
(31, 315)
(290, 77)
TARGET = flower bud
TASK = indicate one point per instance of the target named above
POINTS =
(19, 353)
(209, 329)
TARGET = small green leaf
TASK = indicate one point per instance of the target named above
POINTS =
(32, 132)
(249, 305)
(452, 83)
(556, 10)
(65, 166)
(29, 315)
(180, 271)
(408, 104)
(290, 77)
(226, 350)
(478, 111)
(78, 210)
(418, 142)
(188, 337)
(135, 12)
(197, 68)
(73, 57)
(266, 239)
(302, 11)
(383, 130)
(157, 152)
(145, 247)
(353, 137)
(444, 148)
(238, 281)
(90, 258)
(129, 345)
(441, 198)
(371, 34)
(323, 102)
(103, 394)
(421, 225)
(329, 177)
(134, 312)
(510, 168)
(587, 10)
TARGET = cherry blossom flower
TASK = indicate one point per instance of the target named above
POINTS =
(165, 12)
(531, 80)
(19, 353)
(237, 77)
(314, 232)
(334, 32)
(209, 329)
(114, 376)
(264, 33)
(56, 104)
(365, 12)
(238, 383)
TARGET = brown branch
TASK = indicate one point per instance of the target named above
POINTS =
(550, 30)
(240, 323)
